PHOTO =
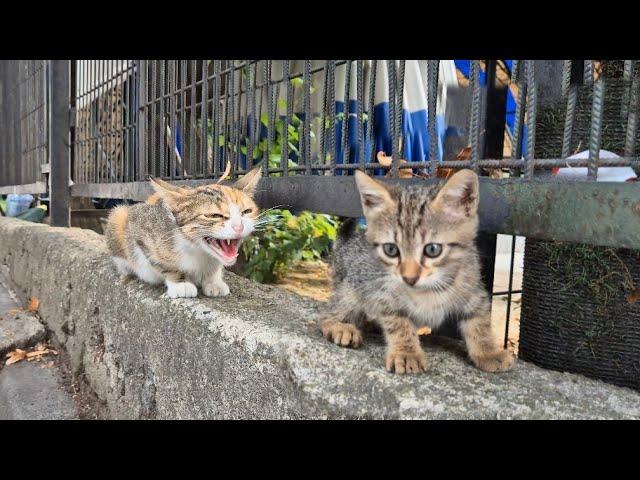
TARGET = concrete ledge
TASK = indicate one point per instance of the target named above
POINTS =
(256, 353)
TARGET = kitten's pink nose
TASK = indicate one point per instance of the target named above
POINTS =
(238, 228)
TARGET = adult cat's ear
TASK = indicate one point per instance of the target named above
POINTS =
(458, 198)
(249, 182)
(374, 196)
(171, 194)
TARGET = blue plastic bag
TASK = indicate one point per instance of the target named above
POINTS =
(16, 204)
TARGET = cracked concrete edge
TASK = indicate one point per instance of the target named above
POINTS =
(256, 353)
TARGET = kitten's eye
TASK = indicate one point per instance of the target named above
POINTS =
(390, 250)
(432, 249)
(215, 216)
(247, 211)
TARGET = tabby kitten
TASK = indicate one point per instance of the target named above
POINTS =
(416, 264)
(183, 236)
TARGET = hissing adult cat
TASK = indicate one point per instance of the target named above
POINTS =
(416, 264)
(182, 236)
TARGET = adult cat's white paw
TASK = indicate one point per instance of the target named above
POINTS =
(215, 289)
(181, 290)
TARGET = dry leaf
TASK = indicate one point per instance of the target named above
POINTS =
(444, 172)
(424, 331)
(15, 356)
(634, 296)
(34, 303)
(464, 154)
(40, 353)
(386, 161)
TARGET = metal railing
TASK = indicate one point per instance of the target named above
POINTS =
(113, 123)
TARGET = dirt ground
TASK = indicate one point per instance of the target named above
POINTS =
(311, 279)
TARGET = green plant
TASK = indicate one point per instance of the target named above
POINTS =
(271, 252)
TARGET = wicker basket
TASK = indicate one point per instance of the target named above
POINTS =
(576, 311)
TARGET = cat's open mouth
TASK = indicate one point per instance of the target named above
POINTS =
(226, 248)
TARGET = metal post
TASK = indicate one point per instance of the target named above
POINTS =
(59, 151)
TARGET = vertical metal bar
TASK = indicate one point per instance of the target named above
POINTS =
(240, 125)
(153, 98)
(217, 85)
(143, 124)
(521, 103)
(270, 123)
(132, 118)
(71, 107)
(474, 120)
(331, 99)
(112, 159)
(284, 158)
(59, 149)
(566, 77)
(251, 98)
(192, 126)
(588, 72)
(359, 110)
(393, 85)
(183, 113)
(172, 88)
(307, 115)
(532, 94)
(162, 120)
(433, 67)
(626, 77)
(596, 129)
(224, 124)
(99, 120)
(399, 127)
(572, 100)
(344, 141)
(203, 119)
(632, 118)
(371, 110)
(323, 123)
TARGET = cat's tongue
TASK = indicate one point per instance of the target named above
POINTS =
(229, 247)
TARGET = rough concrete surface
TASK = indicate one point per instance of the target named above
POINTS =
(30, 392)
(17, 330)
(257, 353)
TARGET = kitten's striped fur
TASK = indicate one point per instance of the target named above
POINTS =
(412, 289)
(183, 237)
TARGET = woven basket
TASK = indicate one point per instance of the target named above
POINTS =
(566, 326)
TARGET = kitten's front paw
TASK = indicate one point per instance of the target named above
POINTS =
(498, 361)
(343, 334)
(215, 289)
(406, 362)
(181, 290)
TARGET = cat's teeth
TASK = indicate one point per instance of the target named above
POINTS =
(228, 242)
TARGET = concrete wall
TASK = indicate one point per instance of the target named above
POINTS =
(256, 353)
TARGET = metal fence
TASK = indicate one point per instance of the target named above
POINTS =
(115, 122)
(23, 126)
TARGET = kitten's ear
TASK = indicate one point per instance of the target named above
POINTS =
(374, 196)
(249, 182)
(458, 198)
(171, 194)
